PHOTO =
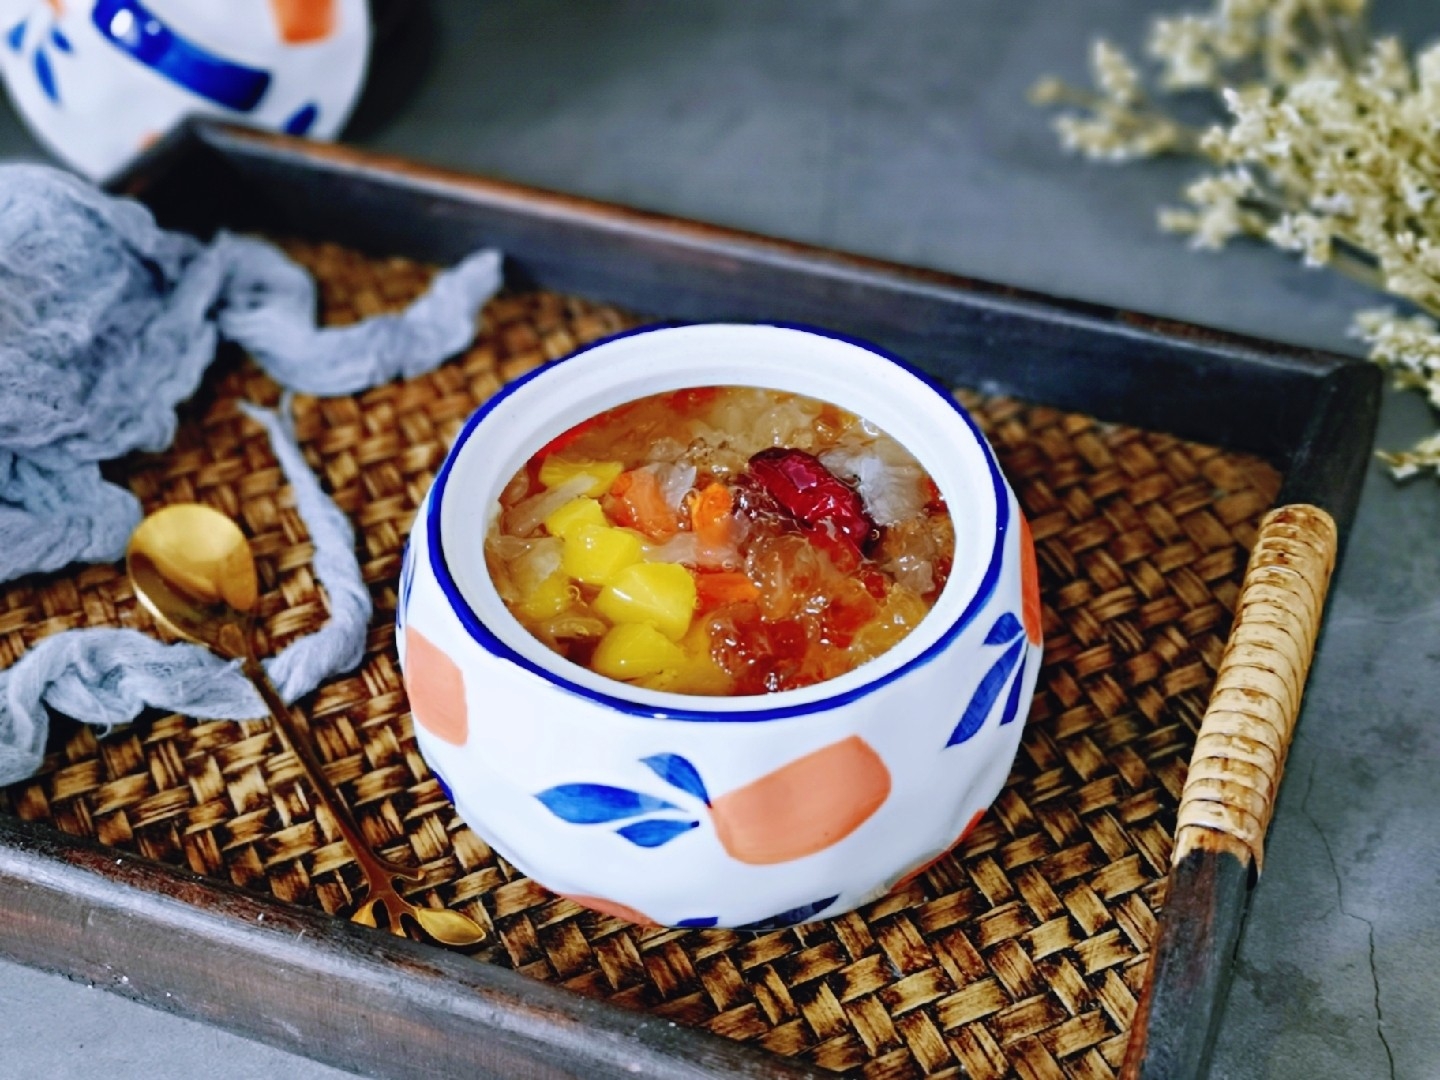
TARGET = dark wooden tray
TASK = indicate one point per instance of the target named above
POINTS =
(320, 986)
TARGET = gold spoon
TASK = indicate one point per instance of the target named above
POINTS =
(192, 568)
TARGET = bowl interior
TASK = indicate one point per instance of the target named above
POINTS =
(511, 427)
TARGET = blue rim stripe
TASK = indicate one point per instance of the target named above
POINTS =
(491, 642)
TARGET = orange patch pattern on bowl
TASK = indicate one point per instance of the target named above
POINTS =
(1030, 613)
(926, 863)
(436, 689)
(803, 807)
(611, 908)
(303, 22)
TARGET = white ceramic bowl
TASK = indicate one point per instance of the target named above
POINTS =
(98, 81)
(699, 811)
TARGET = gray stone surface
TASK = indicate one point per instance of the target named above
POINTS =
(897, 128)
(53, 1029)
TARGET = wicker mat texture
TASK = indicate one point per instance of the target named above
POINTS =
(1018, 954)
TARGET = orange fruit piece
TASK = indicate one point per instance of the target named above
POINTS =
(637, 501)
(803, 807)
(715, 589)
(710, 515)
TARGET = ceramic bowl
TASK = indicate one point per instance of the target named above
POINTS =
(745, 812)
(98, 81)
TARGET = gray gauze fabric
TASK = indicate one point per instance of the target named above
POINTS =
(107, 323)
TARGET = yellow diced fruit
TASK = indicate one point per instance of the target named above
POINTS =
(699, 674)
(594, 554)
(573, 514)
(555, 471)
(635, 651)
(661, 595)
(549, 598)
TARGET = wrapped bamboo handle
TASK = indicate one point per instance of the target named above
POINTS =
(1230, 790)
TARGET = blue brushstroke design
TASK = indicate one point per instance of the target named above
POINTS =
(407, 582)
(61, 41)
(793, 917)
(676, 770)
(702, 923)
(46, 75)
(302, 120)
(15, 37)
(985, 695)
(1006, 628)
(138, 32)
(589, 804)
(655, 831)
(1012, 702)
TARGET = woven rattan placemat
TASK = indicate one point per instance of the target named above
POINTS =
(1020, 953)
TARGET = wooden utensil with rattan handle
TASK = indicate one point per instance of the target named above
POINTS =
(1234, 776)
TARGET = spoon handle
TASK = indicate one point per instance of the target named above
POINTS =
(291, 736)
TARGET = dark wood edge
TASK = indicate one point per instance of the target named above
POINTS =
(1188, 974)
(320, 986)
(1173, 1033)
(1335, 454)
(1311, 412)
(1198, 383)
(536, 202)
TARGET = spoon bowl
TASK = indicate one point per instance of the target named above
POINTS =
(200, 555)
(193, 570)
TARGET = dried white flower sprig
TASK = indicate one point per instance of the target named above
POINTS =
(1331, 150)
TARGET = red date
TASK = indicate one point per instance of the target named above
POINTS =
(826, 508)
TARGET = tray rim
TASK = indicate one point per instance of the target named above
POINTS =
(153, 933)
